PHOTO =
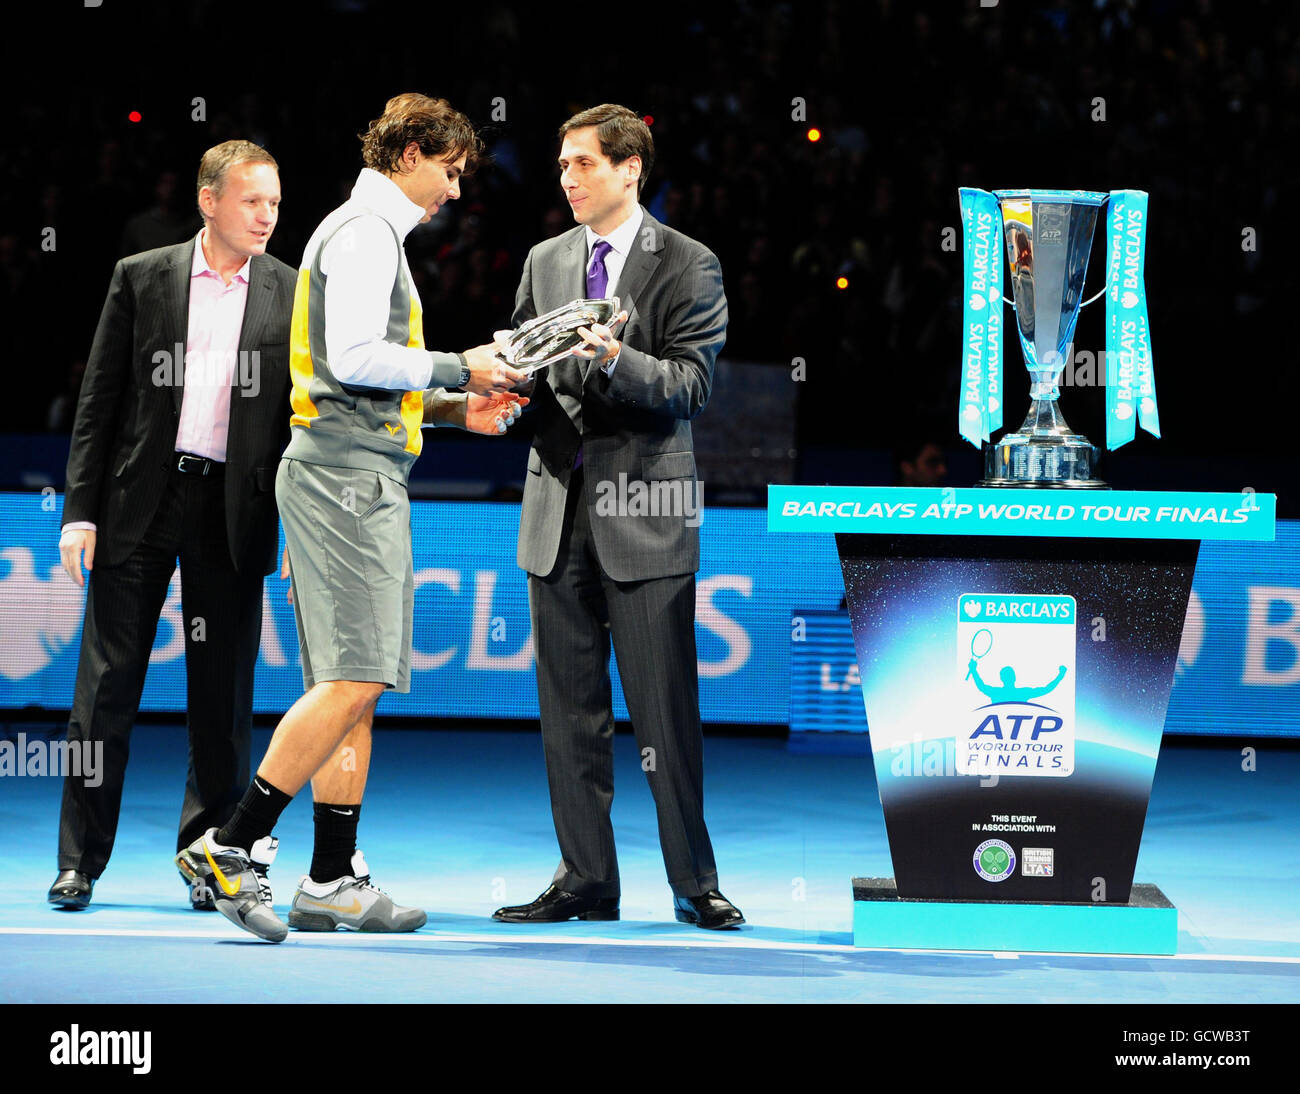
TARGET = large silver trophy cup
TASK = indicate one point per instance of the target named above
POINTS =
(1048, 236)
(549, 337)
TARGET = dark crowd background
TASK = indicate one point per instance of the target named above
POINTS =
(913, 101)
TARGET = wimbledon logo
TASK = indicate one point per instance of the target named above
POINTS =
(994, 860)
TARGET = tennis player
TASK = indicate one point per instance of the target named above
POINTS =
(361, 391)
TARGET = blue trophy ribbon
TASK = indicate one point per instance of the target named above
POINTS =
(1130, 378)
(981, 385)
(993, 343)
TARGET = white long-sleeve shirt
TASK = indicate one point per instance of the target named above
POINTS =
(360, 265)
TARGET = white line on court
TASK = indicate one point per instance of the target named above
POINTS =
(707, 942)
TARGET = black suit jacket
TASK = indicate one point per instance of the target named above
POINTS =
(634, 426)
(124, 437)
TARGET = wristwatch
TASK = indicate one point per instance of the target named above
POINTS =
(464, 370)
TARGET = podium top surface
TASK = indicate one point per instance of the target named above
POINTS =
(949, 511)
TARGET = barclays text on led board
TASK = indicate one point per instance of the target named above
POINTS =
(1239, 668)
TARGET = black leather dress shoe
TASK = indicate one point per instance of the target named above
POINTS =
(71, 889)
(712, 911)
(555, 906)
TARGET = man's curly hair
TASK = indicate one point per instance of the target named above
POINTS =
(432, 124)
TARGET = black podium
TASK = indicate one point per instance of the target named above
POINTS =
(1016, 653)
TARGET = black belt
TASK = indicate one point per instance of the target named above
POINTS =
(187, 464)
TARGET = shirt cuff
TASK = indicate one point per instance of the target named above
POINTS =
(78, 526)
(446, 369)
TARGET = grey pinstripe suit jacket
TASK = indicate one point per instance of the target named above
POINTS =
(633, 426)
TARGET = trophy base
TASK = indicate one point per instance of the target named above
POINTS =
(1057, 461)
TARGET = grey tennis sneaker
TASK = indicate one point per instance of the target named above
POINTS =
(352, 903)
(237, 881)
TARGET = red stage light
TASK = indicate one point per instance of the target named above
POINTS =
(134, 116)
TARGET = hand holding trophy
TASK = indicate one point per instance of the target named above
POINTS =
(556, 334)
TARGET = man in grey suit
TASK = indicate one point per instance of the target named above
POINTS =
(609, 526)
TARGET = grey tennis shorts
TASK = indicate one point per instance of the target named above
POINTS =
(349, 537)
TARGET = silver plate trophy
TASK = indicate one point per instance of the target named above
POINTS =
(1048, 236)
(555, 335)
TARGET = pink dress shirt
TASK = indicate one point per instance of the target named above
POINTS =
(216, 315)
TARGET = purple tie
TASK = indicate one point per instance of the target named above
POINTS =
(597, 283)
(597, 275)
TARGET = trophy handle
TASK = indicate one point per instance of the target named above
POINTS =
(1098, 296)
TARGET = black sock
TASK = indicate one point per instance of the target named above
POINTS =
(255, 815)
(336, 840)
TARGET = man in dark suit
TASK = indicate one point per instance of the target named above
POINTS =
(609, 526)
(182, 416)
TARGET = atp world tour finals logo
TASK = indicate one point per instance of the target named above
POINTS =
(1015, 659)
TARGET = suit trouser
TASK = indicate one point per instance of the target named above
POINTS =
(652, 624)
(222, 619)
